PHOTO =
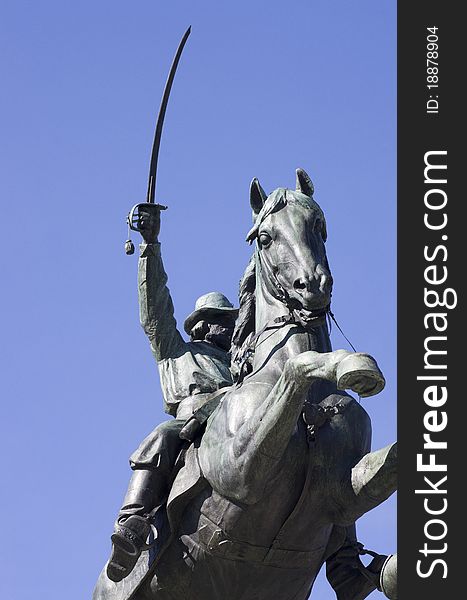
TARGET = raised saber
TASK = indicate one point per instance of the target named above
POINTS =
(160, 119)
(133, 216)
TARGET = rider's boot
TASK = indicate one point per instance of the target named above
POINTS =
(146, 492)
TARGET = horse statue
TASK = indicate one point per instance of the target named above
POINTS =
(272, 489)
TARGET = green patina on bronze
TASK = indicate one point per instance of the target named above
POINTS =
(277, 468)
(257, 481)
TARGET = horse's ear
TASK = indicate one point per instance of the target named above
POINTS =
(304, 183)
(257, 196)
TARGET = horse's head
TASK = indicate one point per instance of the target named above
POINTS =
(290, 231)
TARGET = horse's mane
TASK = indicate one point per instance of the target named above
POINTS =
(245, 324)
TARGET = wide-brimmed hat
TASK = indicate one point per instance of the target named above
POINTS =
(210, 304)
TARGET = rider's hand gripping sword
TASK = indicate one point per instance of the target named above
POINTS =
(134, 218)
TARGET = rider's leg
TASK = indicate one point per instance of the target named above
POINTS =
(146, 491)
(152, 465)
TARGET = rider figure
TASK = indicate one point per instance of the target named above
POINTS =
(189, 372)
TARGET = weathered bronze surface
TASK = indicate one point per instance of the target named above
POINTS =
(266, 486)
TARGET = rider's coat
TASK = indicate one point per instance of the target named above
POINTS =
(186, 368)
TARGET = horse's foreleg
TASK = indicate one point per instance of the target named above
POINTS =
(372, 481)
(269, 432)
(239, 452)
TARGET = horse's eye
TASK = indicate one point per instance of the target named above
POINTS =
(265, 239)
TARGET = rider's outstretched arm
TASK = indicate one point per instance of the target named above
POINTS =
(155, 304)
(156, 308)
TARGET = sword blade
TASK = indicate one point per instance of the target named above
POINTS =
(160, 119)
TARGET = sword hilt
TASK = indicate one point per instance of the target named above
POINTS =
(134, 216)
(134, 221)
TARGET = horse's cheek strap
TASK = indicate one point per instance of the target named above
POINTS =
(272, 283)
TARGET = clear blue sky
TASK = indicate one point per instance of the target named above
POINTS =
(263, 87)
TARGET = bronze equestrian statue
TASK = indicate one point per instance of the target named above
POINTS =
(267, 489)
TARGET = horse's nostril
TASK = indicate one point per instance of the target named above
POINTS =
(299, 284)
(310, 285)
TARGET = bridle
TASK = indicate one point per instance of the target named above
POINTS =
(277, 291)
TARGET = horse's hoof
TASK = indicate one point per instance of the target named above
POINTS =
(360, 373)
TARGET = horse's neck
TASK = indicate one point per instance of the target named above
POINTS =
(276, 346)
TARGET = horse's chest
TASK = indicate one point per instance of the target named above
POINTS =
(259, 523)
(303, 487)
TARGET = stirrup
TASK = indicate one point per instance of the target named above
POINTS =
(128, 541)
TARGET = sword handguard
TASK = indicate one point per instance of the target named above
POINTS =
(133, 217)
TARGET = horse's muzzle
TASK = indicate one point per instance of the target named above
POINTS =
(313, 292)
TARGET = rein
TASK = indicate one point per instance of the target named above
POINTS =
(331, 316)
